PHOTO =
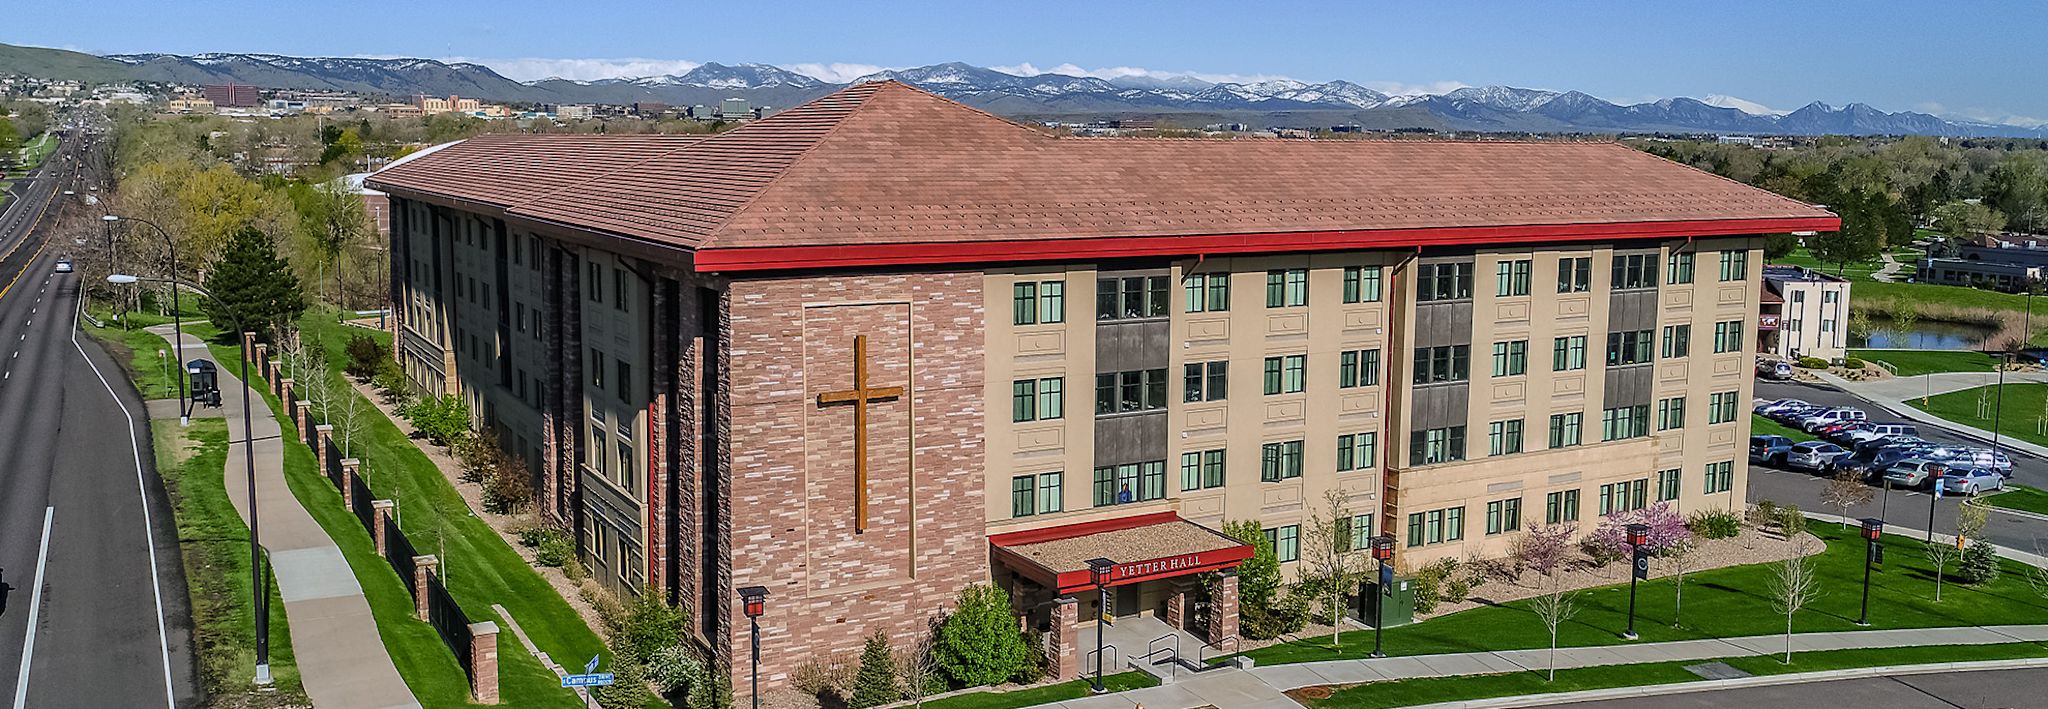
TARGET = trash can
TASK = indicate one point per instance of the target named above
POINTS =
(1400, 604)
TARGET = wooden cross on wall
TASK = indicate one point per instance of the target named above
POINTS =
(859, 396)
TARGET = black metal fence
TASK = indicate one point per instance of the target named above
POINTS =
(334, 464)
(365, 511)
(449, 620)
(399, 550)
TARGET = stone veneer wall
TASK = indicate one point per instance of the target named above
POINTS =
(792, 474)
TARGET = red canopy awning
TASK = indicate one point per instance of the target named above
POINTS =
(1144, 547)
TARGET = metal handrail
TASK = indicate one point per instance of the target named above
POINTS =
(1095, 654)
(1175, 647)
(1202, 655)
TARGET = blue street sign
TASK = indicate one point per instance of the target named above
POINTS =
(593, 680)
(591, 666)
(1386, 579)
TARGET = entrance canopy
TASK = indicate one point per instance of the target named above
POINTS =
(1145, 547)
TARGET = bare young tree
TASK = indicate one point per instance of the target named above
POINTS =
(1545, 550)
(1794, 583)
(1845, 490)
(1971, 516)
(351, 421)
(1554, 608)
(1681, 558)
(1331, 553)
(1940, 555)
(918, 664)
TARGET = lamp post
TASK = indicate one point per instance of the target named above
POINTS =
(1998, 410)
(1934, 472)
(756, 601)
(1638, 535)
(177, 323)
(1873, 553)
(1099, 568)
(256, 575)
(1383, 552)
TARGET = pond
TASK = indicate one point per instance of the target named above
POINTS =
(1924, 335)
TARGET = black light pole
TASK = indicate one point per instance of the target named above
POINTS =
(1998, 412)
(257, 578)
(1933, 495)
(1383, 552)
(756, 599)
(177, 322)
(1872, 553)
(1099, 568)
(1638, 535)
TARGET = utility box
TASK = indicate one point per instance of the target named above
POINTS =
(1399, 605)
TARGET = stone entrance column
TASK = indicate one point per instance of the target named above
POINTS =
(1223, 609)
(1176, 604)
(1062, 643)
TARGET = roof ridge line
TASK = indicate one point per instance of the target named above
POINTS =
(1729, 180)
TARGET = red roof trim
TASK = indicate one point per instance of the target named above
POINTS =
(1081, 529)
(778, 258)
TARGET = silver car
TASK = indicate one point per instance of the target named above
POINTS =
(1971, 481)
(1914, 472)
(1814, 455)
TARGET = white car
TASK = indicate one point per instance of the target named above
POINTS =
(1843, 413)
(64, 265)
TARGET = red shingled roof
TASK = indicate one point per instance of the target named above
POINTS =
(897, 173)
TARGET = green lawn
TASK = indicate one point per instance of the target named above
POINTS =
(38, 150)
(1760, 426)
(214, 545)
(1378, 695)
(479, 568)
(146, 357)
(2023, 410)
(1063, 691)
(1726, 602)
(1917, 362)
(1927, 293)
(2020, 497)
(1858, 272)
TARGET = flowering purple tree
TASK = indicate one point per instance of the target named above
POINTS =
(1667, 529)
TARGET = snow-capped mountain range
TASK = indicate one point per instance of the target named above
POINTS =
(1183, 99)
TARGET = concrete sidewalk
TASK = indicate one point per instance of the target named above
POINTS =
(342, 660)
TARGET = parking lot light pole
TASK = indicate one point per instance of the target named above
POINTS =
(1638, 535)
(1383, 552)
(1933, 495)
(1873, 552)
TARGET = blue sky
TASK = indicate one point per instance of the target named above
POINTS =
(1972, 59)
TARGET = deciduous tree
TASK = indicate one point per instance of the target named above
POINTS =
(1794, 583)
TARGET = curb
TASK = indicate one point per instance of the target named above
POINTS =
(1739, 683)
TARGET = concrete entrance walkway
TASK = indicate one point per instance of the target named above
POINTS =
(1262, 687)
(342, 660)
(1146, 643)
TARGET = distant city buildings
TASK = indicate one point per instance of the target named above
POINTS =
(568, 112)
(2007, 262)
(232, 95)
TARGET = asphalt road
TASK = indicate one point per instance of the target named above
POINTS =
(1990, 689)
(93, 609)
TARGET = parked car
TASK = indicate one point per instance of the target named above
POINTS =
(1813, 455)
(1773, 370)
(1788, 414)
(1768, 407)
(1888, 442)
(1971, 481)
(1823, 418)
(1914, 472)
(1769, 450)
(1872, 431)
(1983, 458)
(1871, 464)
(1838, 429)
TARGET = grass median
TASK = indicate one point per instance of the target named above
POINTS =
(2025, 408)
(1034, 696)
(1760, 426)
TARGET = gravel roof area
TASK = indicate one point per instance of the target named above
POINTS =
(1151, 541)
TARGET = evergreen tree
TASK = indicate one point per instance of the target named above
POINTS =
(255, 283)
(876, 683)
(979, 643)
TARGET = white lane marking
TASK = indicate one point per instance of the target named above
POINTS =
(163, 641)
(35, 607)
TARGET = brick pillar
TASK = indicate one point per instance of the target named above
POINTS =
(1176, 606)
(382, 510)
(350, 468)
(323, 437)
(483, 662)
(1223, 609)
(261, 356)
(422, 567)
(1062, 642)
(283, 390)
(249, 347)
(302, 414)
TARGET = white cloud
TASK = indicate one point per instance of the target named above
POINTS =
(835, 72)
(1402, 88)
(1740, 104)
(531, 68)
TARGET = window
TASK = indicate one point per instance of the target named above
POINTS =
(1051, 491)
(1568, 353)
(1279, 461)
(1024, 303)
(519, 314)
(1561, 506)
(1721, 407)
(1667, 485)
(1436, 445)
(1564, 429)
(1128, 392)
(619, 289)
(1207, 381)
(625, 383)
(1023, 496)
(1634, 271)
(1286, 374)
(1624, 422)
(1286, 288)
(1734, 265)
(1436, 526)
(1052, 302)
(1728, 336)
(1628, 347)
(1358, 368)
(1574, 274)
(1361, 532)
(596, 282)
(1678, 268)
(1286, 542)
(1720, 476)
(1626, 496)
(1201, 469)
(1511, 278)
(1448, 363)
(1130, 298)
(1510, 358)
(1677, 341)
(1362, 284)
(1130, 482)
(1503, 516)
(1357, 451)
(1671, 413)
(1208, 292)
(597, 454)
(1443, 281)
(1504, 437)
(1038, 399)
(596, 369)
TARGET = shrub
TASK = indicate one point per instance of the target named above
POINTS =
(629, 686)
(390, 381)
(1813, 363)
(824, 679)
(1289, 614)
(674, 669)
(1852, 362)
(875, 684)
(1715, 524)
(644, 626)
(1979, 565)
(979, 643)
(509, 490)
(715, 694)
(553, 548)
(1666, 529)
(1764, 513)
(1438, 583)
(443, 420)
(365, 357)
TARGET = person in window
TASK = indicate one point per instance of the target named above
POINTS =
(1123, 496)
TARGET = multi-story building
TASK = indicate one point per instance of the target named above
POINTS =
(2007, 262)
(1803, 313)
(232, 95)
(882, 346)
